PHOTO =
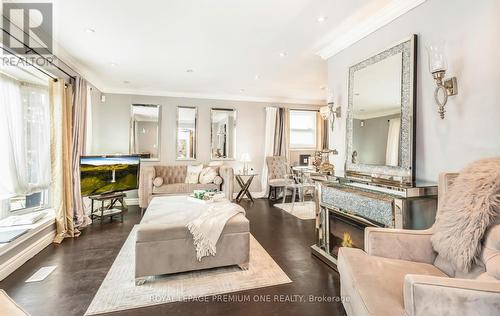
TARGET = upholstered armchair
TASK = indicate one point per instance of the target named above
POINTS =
(396, 274)
(277, 174)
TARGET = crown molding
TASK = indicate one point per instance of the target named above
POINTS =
(353, 30)
(225, 97)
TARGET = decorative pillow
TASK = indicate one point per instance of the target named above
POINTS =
(158, 181)
(207, 175)
(193, 174)
(470, 205)
(218, 180)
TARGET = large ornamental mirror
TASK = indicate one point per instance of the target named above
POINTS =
(223, 130)
(145, 127)
(381, 116)
(186, 133)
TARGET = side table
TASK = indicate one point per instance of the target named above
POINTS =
(107, 211)
(244, 180)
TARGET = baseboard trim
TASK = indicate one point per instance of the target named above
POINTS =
(131, 201)
(26, 254)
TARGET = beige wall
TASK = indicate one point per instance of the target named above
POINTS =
(471, 128)
(111, 127)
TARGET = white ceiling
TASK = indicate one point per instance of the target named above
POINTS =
(146, 47)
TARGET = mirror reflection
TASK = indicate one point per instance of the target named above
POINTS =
(376, 112)
(144, 130)
(186, 133)
(223, 126)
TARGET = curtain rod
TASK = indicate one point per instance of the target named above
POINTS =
(29, 49)
(29, 63)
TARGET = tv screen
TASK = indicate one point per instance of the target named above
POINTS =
(108, 174)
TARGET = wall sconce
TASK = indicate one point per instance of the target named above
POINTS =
(329, 112)
(437, 66)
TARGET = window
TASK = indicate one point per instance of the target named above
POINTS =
(303, 129)
(25, 143)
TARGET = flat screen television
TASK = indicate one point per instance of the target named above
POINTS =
(108, 174)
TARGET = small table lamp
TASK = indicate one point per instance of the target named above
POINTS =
(245, 158)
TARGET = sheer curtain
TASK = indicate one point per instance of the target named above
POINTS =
(24, 138)
(269, 138)
(35, 102)
(392, 153)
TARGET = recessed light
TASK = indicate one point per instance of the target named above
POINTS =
(126, 82)
(242, 90)
(283, 54)
(189, 70)
(257, 77)
(90, 30)
(112, 64)
(321, 19)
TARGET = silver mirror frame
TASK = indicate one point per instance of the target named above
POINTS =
(233, 110)
(404, 173)
(159, 130)
(195, 133)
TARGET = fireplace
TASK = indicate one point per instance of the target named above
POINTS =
(346, 231)
(344, 210)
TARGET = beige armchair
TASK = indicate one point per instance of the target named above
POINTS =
(396, 275)
(277, 174)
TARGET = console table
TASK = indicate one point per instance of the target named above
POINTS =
(345, 208)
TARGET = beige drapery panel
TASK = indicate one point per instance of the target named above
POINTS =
(321, 133)
(61, 188)
(79, 116)
(281, 136)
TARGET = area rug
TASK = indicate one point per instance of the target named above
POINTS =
(118, 290)
(302, 210)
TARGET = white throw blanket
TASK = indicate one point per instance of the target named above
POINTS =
(207, 228)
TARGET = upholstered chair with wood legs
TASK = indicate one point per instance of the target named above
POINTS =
(277, 174)
(397, 274)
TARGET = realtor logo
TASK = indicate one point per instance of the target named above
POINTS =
(27, 28)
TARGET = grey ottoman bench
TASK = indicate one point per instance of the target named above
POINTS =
(164, 245)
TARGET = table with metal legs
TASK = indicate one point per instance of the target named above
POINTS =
(244, 180)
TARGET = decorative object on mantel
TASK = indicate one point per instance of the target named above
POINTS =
(437, 67)
(322, 161)
(328, 112)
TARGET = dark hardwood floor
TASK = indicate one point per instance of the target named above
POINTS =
(82, 264)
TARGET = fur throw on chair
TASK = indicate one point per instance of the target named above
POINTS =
(471, 204)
